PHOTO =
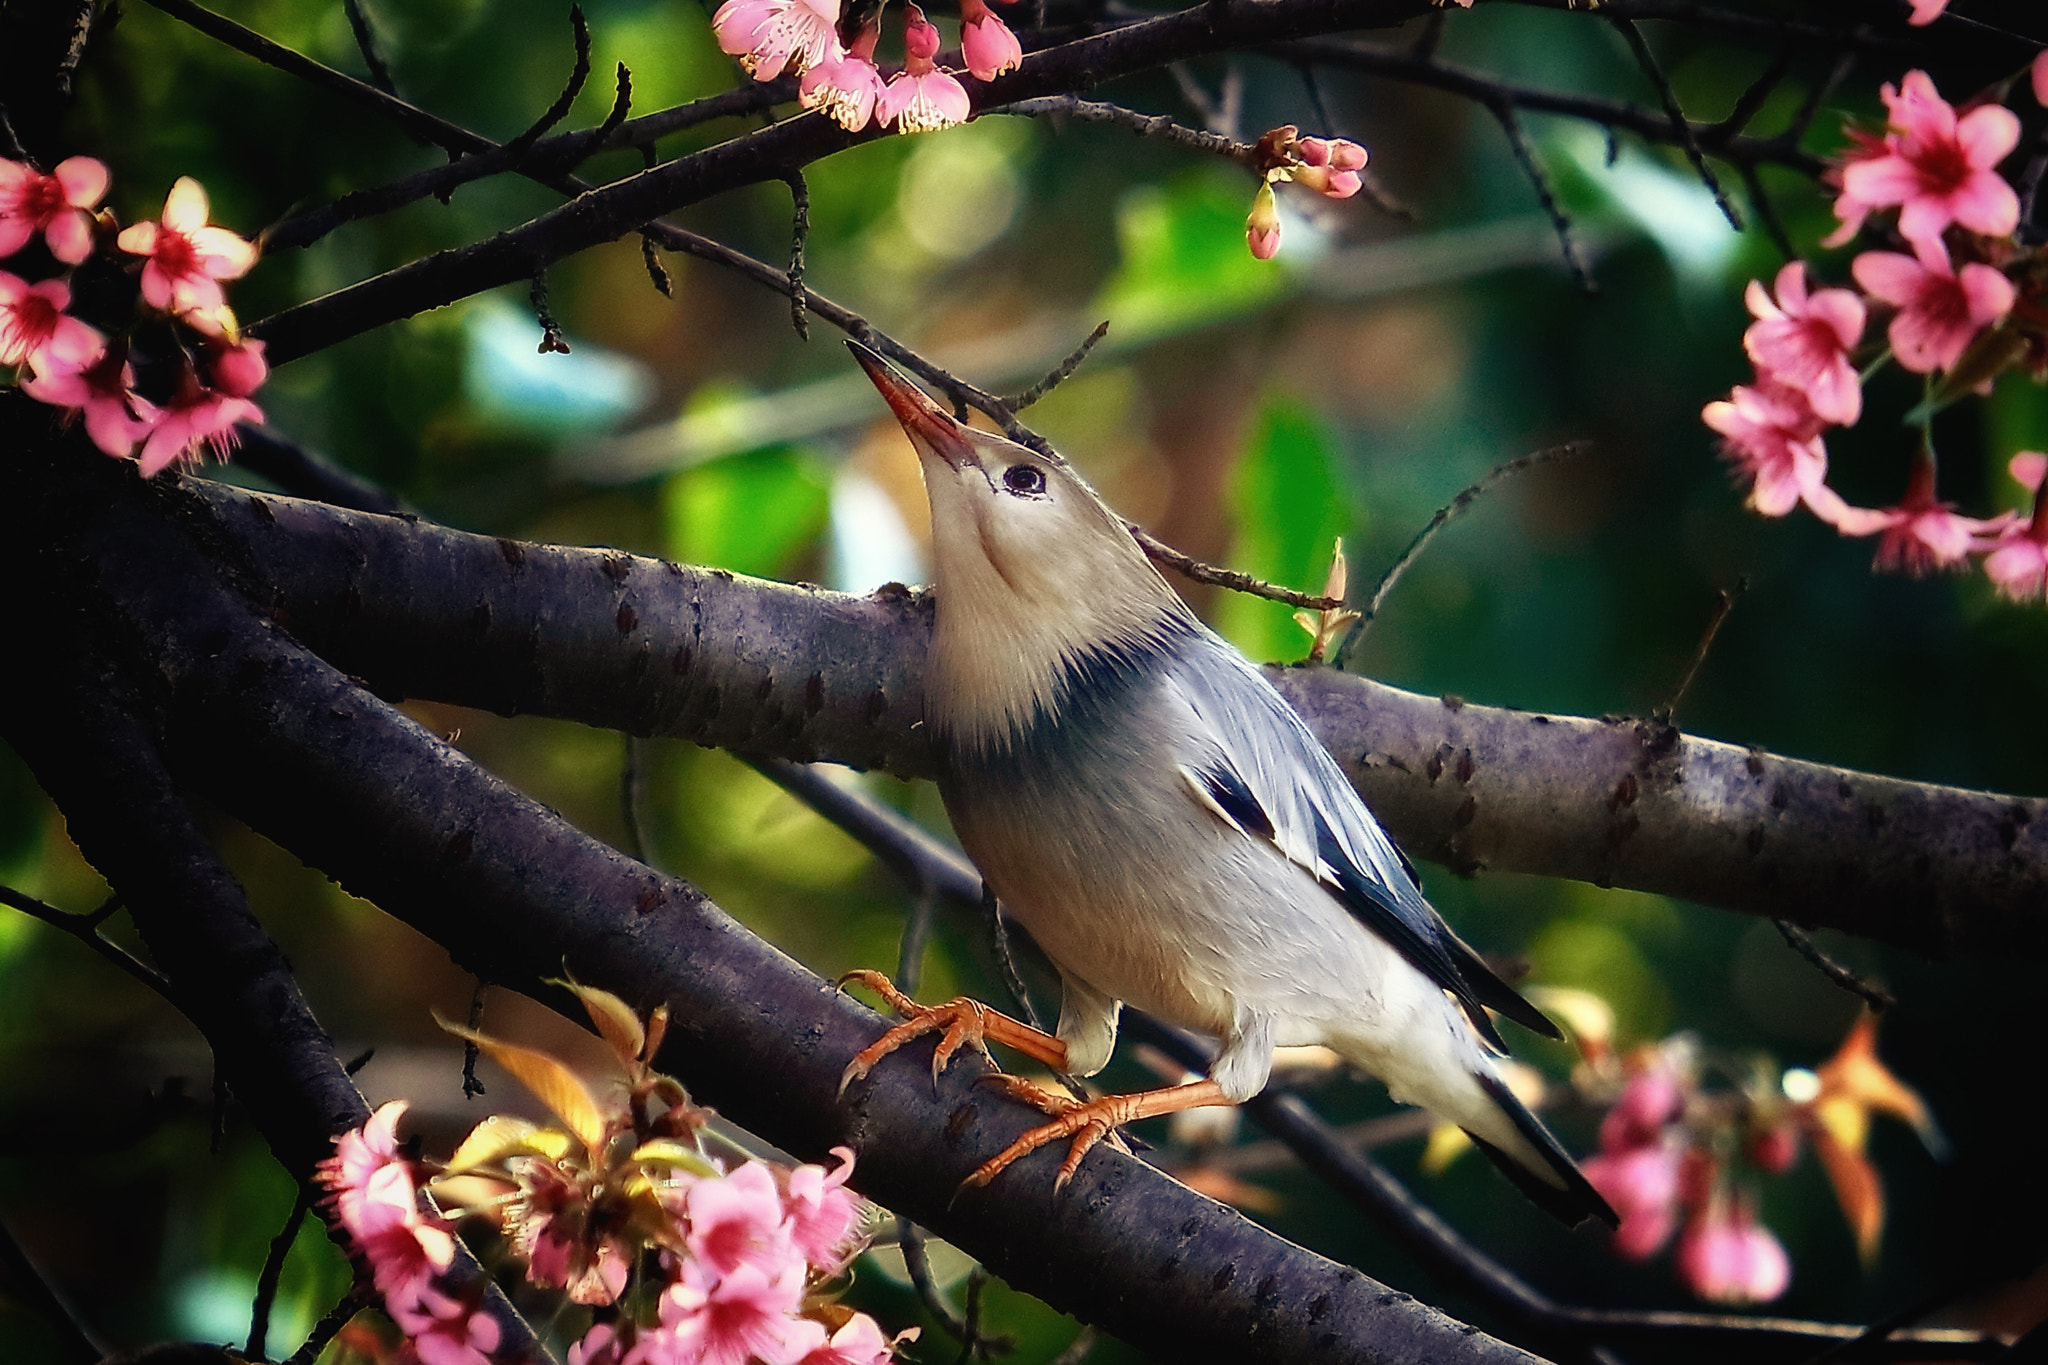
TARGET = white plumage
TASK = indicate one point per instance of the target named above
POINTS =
(1169, 831)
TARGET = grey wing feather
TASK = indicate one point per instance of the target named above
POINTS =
(1265, 773)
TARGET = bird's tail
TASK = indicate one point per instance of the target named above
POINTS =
(1536, 1163)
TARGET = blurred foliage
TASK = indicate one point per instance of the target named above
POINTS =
(1341, 392)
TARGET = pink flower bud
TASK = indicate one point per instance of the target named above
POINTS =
(1314, 150)
(1328, 181)
(920, 39)
(1262, 228)
(987, 43)
(238, 371)
(1347, 156)
(1774, 1149)
(2041, 77)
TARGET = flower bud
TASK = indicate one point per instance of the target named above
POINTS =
(1262, 228)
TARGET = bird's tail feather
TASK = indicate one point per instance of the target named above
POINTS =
(1560, 1189)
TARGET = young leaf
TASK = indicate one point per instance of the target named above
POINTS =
(615, 1020)
(552, 1083)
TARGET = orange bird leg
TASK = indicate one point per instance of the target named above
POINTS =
(1089, 1123)
(959, 1022)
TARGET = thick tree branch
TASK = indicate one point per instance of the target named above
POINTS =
(80, 729)
(300, 751)
(797, 672)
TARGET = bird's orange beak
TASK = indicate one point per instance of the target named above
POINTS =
(930, 427)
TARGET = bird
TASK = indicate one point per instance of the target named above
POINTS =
(1137, 795)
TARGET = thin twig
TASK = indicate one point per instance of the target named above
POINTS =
(355, 1301)
(273, 1271)
(917, 1264)
(1006, 963)
(1159, 126)
(10, 141)
(471, 1086)
(551, 338)
(629, 799)
(1560, 221)
(366, 43)
(1872, 994)
(1681, 127)
(971, 1344)
(1810, 107)
(1752, 100)
(1767, 213)
(622, 105)
(917, 931)
(85, 928)
(35, 1292)
(1725, 600)
(1189, 567)
(1062, 371)
(1444, 515)
(565, 101)
(799, 233)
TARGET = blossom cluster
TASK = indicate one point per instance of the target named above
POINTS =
(841, 80)
(197, 371)
(690, 1261)
(1675, 1151)
(1331, 167)
(1961, 307)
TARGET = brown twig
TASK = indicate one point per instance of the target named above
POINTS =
(1449, 512)
(85, 928)
(799, 233)
(1532, 167)
(273, 1271)
(366, 43)
(36, 1292)
(1681, 128)
(1191, 568)
(1061, 372)
(1725, 600)
(1801, 942)
(564, 102)
(1160, 126)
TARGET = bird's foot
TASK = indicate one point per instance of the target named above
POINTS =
(960, 1022)
(1086, 1123)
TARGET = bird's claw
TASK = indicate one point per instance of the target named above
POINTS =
(1085, 1122)
(960, 1022)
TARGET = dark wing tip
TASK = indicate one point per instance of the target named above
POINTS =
(1571, 1204)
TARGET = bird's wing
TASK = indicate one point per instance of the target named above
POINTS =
(1257, 766)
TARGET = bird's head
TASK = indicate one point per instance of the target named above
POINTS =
(1035, 574)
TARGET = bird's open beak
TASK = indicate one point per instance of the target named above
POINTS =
(930, 427)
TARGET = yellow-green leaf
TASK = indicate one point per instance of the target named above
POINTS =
(674, 1155)
(616, 1021)
(502, 1137)
(552, 1083)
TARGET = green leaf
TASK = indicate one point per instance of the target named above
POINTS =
(1184, 258)
(749, 513)
(1289, 509)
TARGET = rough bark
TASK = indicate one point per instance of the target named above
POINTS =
(305, 755)
(636, 644)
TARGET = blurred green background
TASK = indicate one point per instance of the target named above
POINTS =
(1248, 412)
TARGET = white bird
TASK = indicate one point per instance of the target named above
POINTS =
(1170, 832)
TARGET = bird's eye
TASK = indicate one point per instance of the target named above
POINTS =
(1024, 478)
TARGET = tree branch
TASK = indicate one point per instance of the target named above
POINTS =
(513, 892)
(774, 152)
(796, 672)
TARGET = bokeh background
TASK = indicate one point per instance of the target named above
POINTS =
(1248, 412)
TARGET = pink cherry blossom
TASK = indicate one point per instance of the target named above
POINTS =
(1863, 146)
(823, 1212)
(1772, 436)
(726, 1320)
(769, 36)
(1651, 1099)
(2018, 559)
(921, 98)
(986, 43)
(603, 1344)
(1726, 1256)
(359, 1154)
(58, 205)
(1940, 169)
(1331, 166)
(238, 369)
(1803, 340)
(1919, 536)
(1926, 11)
(858, 1342)
(738, 1220)
(846, 88)
(187, 258)
(197, 419)
(103, 391)
(2040, 76)
(1262, 227)
(1642, 1185)
(37, 332)
(447, 1329)
(1941, 310)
